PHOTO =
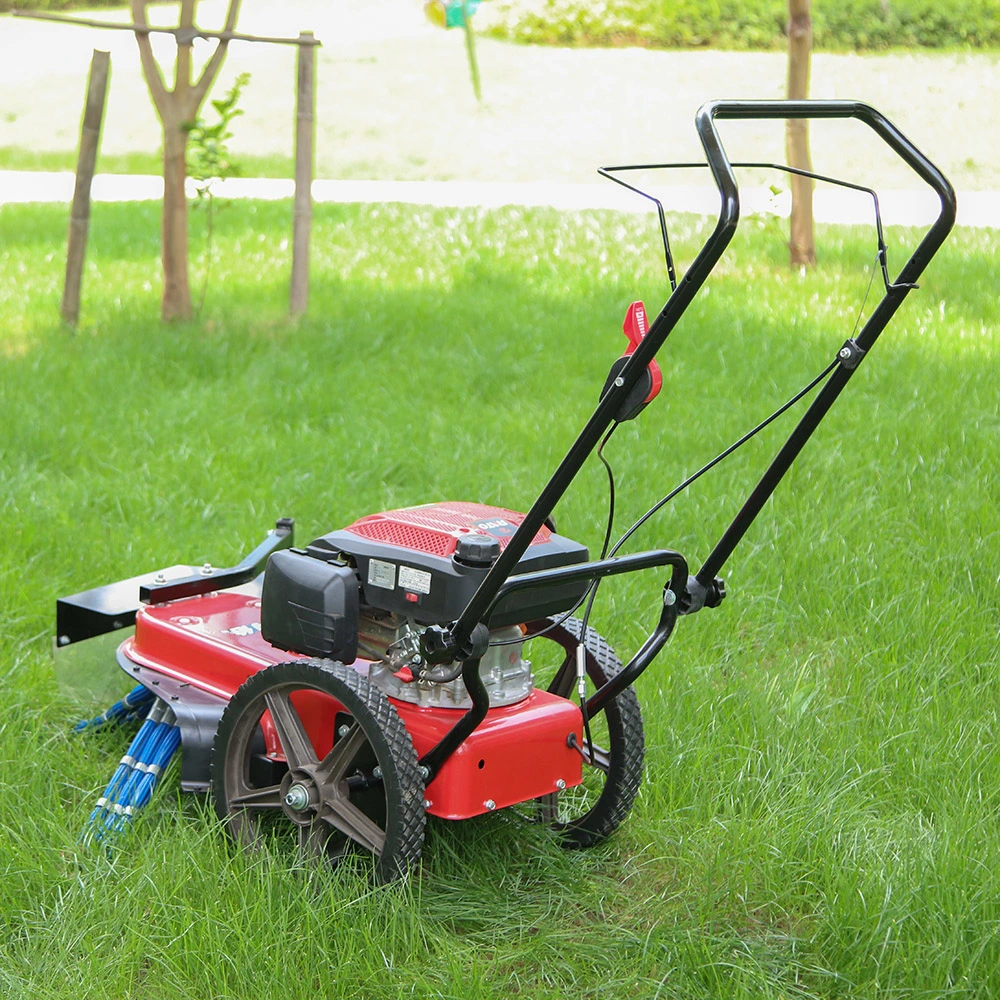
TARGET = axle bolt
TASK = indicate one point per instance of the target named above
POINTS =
(376, 772)
(297, 798)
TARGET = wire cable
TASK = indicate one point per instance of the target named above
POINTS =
(722, 455)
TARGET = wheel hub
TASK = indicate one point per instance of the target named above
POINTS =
(297, 797)
(300, 797)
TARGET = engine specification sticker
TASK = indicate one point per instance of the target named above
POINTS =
(414, 579)
(382, 574)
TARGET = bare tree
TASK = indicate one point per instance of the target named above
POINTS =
(802, 244)
(177, 109)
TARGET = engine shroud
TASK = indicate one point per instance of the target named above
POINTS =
(410, 561)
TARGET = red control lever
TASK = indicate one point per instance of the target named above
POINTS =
(635, 327)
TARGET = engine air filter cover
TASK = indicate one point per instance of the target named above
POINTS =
(309, 606)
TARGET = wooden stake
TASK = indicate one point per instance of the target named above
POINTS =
(79, 220)
(304, 139)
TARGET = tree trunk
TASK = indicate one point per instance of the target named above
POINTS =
(176, 289)
(802, 244)
(177, 108)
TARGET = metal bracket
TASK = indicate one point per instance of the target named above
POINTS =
(850, 355)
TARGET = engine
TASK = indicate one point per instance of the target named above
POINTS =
(372, 587)
(393, 645)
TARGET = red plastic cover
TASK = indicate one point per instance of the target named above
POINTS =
(436, 527)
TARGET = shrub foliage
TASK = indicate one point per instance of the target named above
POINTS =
(749, 24)
(56, 5)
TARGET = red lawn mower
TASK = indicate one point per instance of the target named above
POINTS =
(381, 673)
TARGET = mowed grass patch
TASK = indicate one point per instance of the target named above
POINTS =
(820, 808)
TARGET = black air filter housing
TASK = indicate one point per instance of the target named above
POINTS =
(310, 606)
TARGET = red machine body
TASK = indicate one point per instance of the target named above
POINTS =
(213, 644)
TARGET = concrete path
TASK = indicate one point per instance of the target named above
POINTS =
(899, 207)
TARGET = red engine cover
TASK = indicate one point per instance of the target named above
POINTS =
(435, 528)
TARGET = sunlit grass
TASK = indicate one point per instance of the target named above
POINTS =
(21, 158)
(819, 816)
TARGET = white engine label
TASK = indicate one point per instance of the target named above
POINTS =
(382, 574)
(414, 579)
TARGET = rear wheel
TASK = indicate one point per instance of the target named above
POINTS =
(592, 811)
(348, 782)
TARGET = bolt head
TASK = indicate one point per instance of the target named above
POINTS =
(560, 784)
(490, 805)
(427, 803)
(207, 570)
(619, 382)
(669, 598)
(376, 772)
(343, 731)
(845, 353)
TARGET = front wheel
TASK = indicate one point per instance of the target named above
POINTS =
(310, 747)
(612, 773)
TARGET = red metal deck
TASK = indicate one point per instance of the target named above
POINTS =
(518, 753)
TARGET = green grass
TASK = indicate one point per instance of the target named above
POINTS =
(820, 812)
(19, 158)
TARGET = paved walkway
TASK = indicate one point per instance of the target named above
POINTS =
(918, 208)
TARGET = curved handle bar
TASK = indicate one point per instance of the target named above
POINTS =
(880, 316)
(673, 309)
(725, 180)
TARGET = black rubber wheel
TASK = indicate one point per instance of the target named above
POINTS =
(365, 794)
(590, 812)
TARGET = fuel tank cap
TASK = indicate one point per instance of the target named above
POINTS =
(477, 550)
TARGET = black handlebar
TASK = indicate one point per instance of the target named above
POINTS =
(500, 580)
(725, 180)
(674, 308)
(880, 316)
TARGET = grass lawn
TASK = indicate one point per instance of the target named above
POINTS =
(820, 811)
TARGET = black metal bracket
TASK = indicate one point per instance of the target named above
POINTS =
(850, 355)
(209, 580)
(697, 595)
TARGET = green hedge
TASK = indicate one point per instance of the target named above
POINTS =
(748, 24)
(47, 5)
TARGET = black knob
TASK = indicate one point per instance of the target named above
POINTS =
(477, 550)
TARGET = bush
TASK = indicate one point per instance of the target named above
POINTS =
(55, 5)
(748, 24)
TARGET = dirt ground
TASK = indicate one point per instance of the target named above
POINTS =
(394, 99)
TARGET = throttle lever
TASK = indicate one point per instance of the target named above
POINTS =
(650, 382)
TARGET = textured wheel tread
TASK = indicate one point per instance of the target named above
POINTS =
(403, 845)
(627, 757)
